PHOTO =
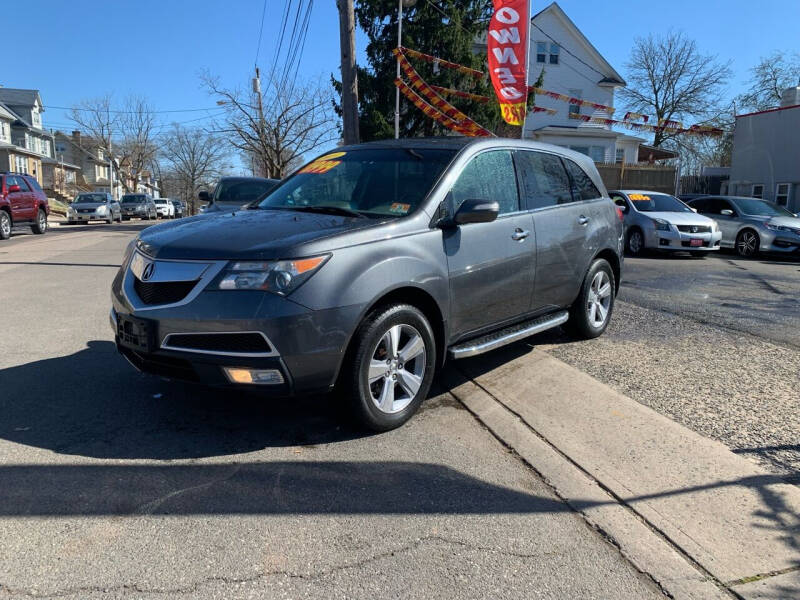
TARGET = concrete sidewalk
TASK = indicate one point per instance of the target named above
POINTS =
(701, 520)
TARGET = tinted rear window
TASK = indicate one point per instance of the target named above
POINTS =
(136, 198)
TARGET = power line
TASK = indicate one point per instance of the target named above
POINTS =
(131, 112)
(260, 32)
(561, 46)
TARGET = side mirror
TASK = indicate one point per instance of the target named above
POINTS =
(476, 211)
(726, 212)
(204, 196)
(13, 188)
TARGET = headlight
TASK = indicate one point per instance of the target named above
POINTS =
(126, 257)
(101, 209)
(661, 225)
(281, 276)
(774, 227)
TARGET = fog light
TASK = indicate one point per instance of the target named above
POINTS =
(254, 376)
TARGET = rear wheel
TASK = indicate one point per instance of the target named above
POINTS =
(40, 224)
(590, 314)
(747, 243)
(391, 368)
(5, 225)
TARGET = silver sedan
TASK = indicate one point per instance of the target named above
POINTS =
(94, 206)
(662, 222)
(752, 225)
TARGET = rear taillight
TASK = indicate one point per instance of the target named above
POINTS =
(620, 214)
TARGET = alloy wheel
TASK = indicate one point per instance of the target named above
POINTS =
(635, 242)
(42, 221)
(5, 224)
(599, 299)
(396, 368)
(747, 244)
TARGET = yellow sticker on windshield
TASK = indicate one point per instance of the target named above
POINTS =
(324, 163)
(399, 207)
(639, 197)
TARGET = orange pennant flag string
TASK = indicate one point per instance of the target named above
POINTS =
(436, 114)
(442, 63)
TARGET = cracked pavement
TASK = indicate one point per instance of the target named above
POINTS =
(114, 484)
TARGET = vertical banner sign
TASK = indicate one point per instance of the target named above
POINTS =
(508, 57)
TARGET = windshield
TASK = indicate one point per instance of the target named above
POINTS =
(87, 198)
(753, 206)
(377, 182)
(241, 192)
(161, 202)
(658, 203)
(133, 199)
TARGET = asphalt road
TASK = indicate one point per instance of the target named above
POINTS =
(713, 343)
(116, 484)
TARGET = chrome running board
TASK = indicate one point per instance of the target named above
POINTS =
(508, 335)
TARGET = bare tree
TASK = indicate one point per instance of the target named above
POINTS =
(193, 159)
(768, 79)
(126, 134)
(669, 77)
(279, 125)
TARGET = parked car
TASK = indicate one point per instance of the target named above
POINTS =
(164, 208)
(180, 208)
(662, 222)
(94, 206)
(22, 202)
(752, 225)
(370, 266)
(138, 205)
(233, 193)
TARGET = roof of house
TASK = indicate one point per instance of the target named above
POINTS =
(11, 97)
(769, 110)
(610, 75)
(7, 113)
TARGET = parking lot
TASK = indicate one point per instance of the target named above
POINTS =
(118, 484)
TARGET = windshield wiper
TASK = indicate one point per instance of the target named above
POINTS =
(330, 210)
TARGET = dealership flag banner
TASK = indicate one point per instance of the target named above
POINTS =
(508, 57)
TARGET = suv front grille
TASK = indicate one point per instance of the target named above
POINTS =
(233, 343)
(694, 228)
(167, 292)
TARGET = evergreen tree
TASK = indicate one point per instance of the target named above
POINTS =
(426, 29)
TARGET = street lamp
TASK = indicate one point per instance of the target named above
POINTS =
(401, 5)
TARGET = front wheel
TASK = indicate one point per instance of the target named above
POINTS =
(590, 314)
(391, 368)
(747, 243)
(634, 243)
(40, 225)
(5, 225)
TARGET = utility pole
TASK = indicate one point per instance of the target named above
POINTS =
(347, 48)
(400, 5)
(260, 105)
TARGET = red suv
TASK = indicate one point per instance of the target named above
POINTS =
(21, 201)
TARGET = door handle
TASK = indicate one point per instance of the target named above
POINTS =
(520, 234)
(583, 220)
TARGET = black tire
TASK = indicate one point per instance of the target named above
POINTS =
(637, 249)
(747, 243)
(71, 222)
(5, 225)
(370, 341)
(110, 220)
(40, 224)
(124, 219)
(581, 323)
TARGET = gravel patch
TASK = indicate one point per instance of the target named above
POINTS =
(736, 388)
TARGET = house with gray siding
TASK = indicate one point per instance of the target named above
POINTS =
(766, 154)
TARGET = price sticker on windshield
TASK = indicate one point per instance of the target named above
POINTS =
(324, 163)
(399, 207)
(639, 197)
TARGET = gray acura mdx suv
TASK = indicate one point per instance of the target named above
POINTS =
(370, 266)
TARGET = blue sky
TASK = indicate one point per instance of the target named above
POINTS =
(86, 48)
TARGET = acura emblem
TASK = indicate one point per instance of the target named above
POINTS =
(694, 229)
(148, 271)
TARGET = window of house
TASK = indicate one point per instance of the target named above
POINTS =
(21, 164)
(597, 154)
(758, 191)
(547, 52)
(61, 147)
(575, 109)
(100, 154)
(619, 156)
(581, 149)
(782, 194)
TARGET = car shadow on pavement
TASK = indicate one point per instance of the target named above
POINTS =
(93, 403)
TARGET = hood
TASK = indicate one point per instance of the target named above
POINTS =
(87, 204)
(251, 234)
(680, 218)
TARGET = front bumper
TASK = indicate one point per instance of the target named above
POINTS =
(91, 216)
(779, 242)
(681, 241)
(307, 346)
